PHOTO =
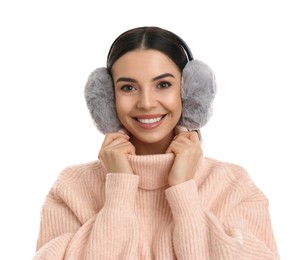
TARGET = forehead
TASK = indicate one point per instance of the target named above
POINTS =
(144, 62)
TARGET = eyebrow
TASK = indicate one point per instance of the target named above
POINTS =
(154, 79)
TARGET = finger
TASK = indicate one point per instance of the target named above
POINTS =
(178, 145)
(180, 138)
(183, 136)
(169, 150)
(183, 140)
(127, 148)
(118, 146)
(180, 129)
(112, 136)
(123, 131)
(116, 141)
(113, 140)
(195, 136)
(184, 145)
(122, 148)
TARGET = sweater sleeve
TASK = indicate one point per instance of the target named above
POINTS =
(112, 233)
(199, 234)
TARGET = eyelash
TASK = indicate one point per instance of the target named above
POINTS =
(161, 85)
(167, 84)
(128, 88)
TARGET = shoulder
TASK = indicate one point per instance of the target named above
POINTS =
(78, 185)
(79, 173)
(225, 169)
(232, 176)
(229, 169)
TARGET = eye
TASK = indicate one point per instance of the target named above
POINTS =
(127, 88)
(164, 84)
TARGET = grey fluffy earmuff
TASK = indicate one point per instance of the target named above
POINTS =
(198, 92)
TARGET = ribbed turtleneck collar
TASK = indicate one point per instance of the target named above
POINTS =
(153, 170)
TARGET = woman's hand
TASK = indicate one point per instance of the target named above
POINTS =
(187, 149)
(113, 153)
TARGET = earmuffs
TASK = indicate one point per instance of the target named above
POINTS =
(197, 92)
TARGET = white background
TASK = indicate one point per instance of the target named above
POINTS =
(48, 48)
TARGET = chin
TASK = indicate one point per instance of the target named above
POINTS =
(153, 138)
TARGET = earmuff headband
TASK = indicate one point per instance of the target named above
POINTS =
(198, 92)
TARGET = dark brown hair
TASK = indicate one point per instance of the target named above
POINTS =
(150, 38)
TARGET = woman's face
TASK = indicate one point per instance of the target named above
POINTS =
(148, 100)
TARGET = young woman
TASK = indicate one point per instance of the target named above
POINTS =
(152, 194)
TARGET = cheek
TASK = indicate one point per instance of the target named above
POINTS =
(174, 103)
(178, 105)
(123, 106)
(120, 106)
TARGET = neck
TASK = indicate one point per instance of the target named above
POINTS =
(159, 147)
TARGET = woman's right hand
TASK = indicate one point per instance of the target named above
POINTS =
(113, 153)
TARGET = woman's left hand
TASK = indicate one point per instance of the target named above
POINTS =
(187, 149)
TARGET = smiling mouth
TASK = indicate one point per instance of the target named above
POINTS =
(147, 121)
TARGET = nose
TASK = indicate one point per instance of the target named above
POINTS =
(147, 99)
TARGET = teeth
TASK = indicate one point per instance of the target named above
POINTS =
(149, 120)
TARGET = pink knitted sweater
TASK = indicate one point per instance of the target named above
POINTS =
(92, 214)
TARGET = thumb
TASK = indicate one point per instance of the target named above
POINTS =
(123, 131)
(180, 129)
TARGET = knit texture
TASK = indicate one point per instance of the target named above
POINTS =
(92, 214)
